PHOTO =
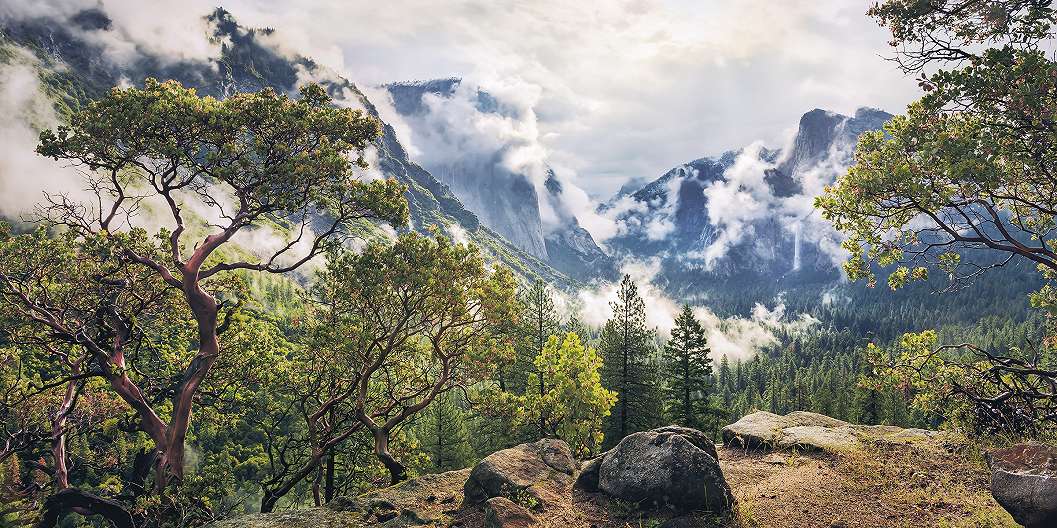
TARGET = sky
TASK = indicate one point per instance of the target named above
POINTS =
(619, 90)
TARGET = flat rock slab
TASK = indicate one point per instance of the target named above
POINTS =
(1024, 482)
(813, 432)
(817, 438)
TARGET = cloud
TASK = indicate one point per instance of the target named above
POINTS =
(24, 175)
(737, 202)
(170, 32)
(624, 88)
(734, 337)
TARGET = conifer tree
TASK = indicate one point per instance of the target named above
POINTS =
(688, 372)
(627, 346)
(444, 436)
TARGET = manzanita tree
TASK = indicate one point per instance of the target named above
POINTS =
(394, 327)
(964, 182)
(204, 170)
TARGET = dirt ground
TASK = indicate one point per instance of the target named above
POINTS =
(877, 487)
(890, 486)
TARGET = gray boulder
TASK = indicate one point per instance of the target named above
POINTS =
(529, 474)
(588, 477)
(1024, 482)
(669, 466)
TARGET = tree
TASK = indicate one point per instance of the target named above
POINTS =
(444, 436)
(627, 346)
(688, 372)
(574, 402)
(539, 321)
(964, 181)
(401, 324)
(216, 168)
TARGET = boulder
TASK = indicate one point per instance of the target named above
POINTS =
(813, 432)
(1024, 482)
(529, 474)
(501, 512)
(668, 466)
(764, 430)
(588, 477)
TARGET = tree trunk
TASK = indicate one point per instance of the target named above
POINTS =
(397, 471)
(686, 389)
(58, 435)
(328, 484)
(70, 499)
(204, 308)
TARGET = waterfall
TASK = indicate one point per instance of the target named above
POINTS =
(796, 246)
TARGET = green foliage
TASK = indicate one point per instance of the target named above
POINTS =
(444, 434)
(281, 155)
(539, 321)
(961, 183)
(629, 365)
(687, 373)
(573, 402)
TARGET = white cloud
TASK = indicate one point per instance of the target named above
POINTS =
(170, 31)
(735, 337)
(24, 175)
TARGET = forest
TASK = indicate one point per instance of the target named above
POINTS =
(160, 370)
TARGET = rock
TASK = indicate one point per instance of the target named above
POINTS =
(501, 512)
(757, 430)
(588, 477)
(530, 474)
(813, 432)
(347, 504)
(666, 466)
(1024, 482)
(764, 430)
(816, 438)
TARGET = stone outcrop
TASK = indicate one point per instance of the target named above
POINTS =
(529, 474)
(1024, 482)
(813, 432)
(501, 512)
(669, 466)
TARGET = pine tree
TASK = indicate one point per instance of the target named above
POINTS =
(444, 435)
(688, 371)
(628, 346)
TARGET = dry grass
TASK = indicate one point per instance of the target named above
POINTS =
(880, 486)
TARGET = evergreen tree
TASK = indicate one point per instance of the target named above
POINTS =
(688, 372)
(444, 436)
(627, 347)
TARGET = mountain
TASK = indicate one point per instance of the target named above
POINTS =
(504, 200)
(475, 143)
(73, 65)
(745, 213)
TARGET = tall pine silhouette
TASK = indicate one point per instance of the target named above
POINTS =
(688, 372)
(627, 346)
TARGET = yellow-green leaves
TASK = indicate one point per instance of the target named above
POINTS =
(573, 402)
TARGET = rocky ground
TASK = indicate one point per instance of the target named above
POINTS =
(803, 470)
